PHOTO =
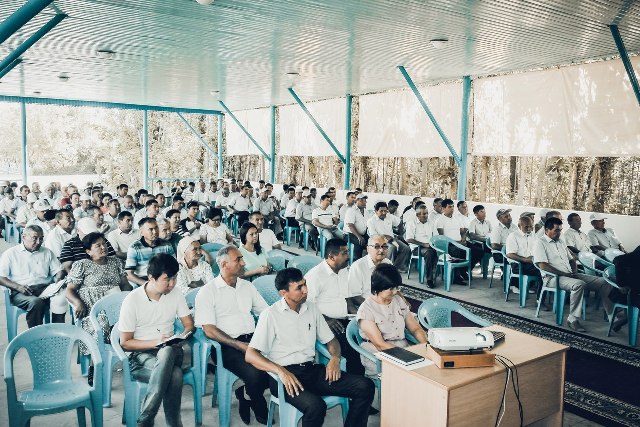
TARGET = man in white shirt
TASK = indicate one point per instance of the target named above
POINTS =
(26, 211)
(325, 220)
(418, 235)
(284, 343)
(203, 196)
(550, 214)
(360, 271)
(480, 228)
(576, 240)
(239, 206)
(520, 245)
(161, 189)
(551, 255)
(602, 238)
(328, 289)
(437, 210)
(304, 214)
(292, 207)
(122, 190)
(355, 225)
(266, 237)
(224, 309)
(40, 208)
(381, 223)
(151, 210)
(187, 193)
(501, 232)
(351, 199)
(266, 206)
(123, 236)
(81, 211)
(111, 217)
(62, 232)
(462, 213)
(288, 194)
(146, 320)
(223, 199)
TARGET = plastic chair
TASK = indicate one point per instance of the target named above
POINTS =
(305, 263)
(277, 262)
(560, 296)
(110, 306)
(493, 269)
(441, 246)
(212, 247)
(266, 286)
(13, 313)
(50, 348)
(524, 280)
(135, 391)
(350, 246)
(84, 360)
(611, 254)
(288, 230)
(486, 258)
(589, 262)
(420, 264)
(633, 312)
(190, 296)
(322, 241)
(436, 313)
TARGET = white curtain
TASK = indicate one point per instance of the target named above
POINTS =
(258, 123)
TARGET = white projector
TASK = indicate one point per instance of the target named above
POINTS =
(460, 339)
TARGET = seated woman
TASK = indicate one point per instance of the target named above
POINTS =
(214, 230)
(384, 315)
(193, 272)
(254, 257)
(93, 278)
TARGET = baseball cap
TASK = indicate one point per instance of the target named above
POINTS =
(298, 189)
(306, 193)
(32, 198)
(597, 217)
(502, 212)
(87, 225)
(523, 214)
(41, 205)
(84, 197)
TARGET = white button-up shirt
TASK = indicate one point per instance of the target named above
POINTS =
(292, 206)
(577, 239)
(287, 337)
(384, 227)
(29, 268)
(501, 232)
(450, 226)
(328, 290)
(56, 239)
(552, 252)
(240, 203)
(360, 276)
(229, 308)
(483, 228)
(355, 217)
(521, 244)
(420, 231)
(121, 240)
(265, 207)
(606, 238)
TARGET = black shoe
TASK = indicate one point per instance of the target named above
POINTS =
(373, 411)
(261, 420)
(430, 284)
(244, 409)
(619, 323)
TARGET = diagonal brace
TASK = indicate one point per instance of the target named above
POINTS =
(317, 125)
(246, 132)
(20, 17)
(202, 141)
(5, 70)
(628, 66)
(422, 102)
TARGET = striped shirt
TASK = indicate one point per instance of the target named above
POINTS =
(139, 254)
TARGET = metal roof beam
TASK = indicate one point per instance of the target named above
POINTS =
(317, 125)
(198, 136)
(422, 102)
(20, 17)
(9, 67)
(246, 132)
(33, 39)
(628, 66)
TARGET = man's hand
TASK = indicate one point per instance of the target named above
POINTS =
(361, 241)
(335, 326)
(333, 370)
(196, 284)
(24, 290)
(292, 385)
(80, 310)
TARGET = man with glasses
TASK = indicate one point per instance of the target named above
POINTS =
(360, 271)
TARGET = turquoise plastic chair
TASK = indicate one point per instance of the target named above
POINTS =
(611, 254)
(212, 247)
(590, 261)
(560, 296)
(135, 391)
(277, 262)
(13, 313)
(110, 306)
(486, 258)
(190, 296)
(493, 269)
(50, 351)
(441, 246)
(288, 230)
(305, 263)
(83, 360)
(524, 280)
(350, 246)
(436, 313)
(266, 286)
(633, 312)
(420, 264)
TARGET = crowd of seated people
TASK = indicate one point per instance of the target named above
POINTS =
(97, 243)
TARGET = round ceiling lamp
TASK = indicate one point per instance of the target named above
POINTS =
(105, 53)
(438, 43)
(205, 2)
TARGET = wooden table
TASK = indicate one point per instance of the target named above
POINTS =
(430, 396)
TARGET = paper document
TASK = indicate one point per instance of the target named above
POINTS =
(52, 289)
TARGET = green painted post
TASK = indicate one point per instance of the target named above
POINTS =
(272, 167)
(23, 122)
(464, 139)
(145, 149)
(347, 157)
(220, 135)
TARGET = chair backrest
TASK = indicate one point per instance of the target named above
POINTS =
(50, 349)
(436, 313)
(190, 296)
(212, 247)
(305, 263)
(591, 260)
(353, 334)
(277, 262)
(611, 253)
(609, 274)
(110, 306)
(440, 244)
(266, 286)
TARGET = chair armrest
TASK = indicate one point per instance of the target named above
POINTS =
(460, 246)
(324, 355)
(409, 336)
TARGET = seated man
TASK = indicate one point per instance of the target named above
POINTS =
(602, 238)
(284, 343)
(325, 220)
(437, 210)
(552, 255)
(27, 269)
(81, 211)
(123, 236)
(350, 201)
(26, 211)
(224, 309)
(111, 217)
(549, 214)
(381, 223)
(360, 271)
(142, 250)
(267, 207)
(151, 210)
(576, 240)
(146, 320)
(480, 228)
(462, 213)
(501, 232)
(61, 233)
(355, 225)
(520, 248)
(190, 226)
(239, 205)
(73, 250)
(304, 214)
(292, 205)
(266, 237)
(166, 233)
(418, 235)
(223, 199)
(327, 286)
(41, 207)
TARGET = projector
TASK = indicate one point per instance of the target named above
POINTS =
(460, 339)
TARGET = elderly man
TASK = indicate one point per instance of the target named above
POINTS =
(27, 269)
(325, 219)
(50, 196)
(239, 205)
(267, 207)
(41, 207)
(304, 215)
(26, 211)
(142, 250)
(284, 343)
(519, 247)
(328, 289)
(62, 232)
(223, 199)
(501, 232)
(224, 309)
(602, 238)
(98, 217)
(437, 210)
(355, 225)
(381, 223)
(576, 240)
(551, 255)
(82, 210)
(361, 270)
(203, 196)
(418, 235)
(123, 236)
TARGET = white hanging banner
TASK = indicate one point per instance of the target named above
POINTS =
(584, 110)
(394, 124)
(300, 137)
(257, 123)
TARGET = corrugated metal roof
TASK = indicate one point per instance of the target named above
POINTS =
(174, 52)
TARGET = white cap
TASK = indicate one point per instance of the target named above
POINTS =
(298, 189)
(87, 225)
(306, 193)
(597, 217)
(32, 198)
(362, 196)
(41, 205)
(84, 197)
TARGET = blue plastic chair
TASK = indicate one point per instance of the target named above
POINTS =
(305, 263)
(190, 296)
(611, 254)
(13, 313)
(276, 261)
(524, 280)
(420, 264)
(212, 247)
(50, 351)
(288, 230)
(560, 296)
(135, 391)
(441, 246)
(633, 312)
(493, 269)
(590, 261)
(83, 360)
(436, 313)
(266, 286)
(350, 246)
(110, 306)
(486, 258)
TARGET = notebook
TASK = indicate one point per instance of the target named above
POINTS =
(401, 356)
(176, 339)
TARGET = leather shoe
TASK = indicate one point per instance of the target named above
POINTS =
(244, 409)
(460, 281)
(576, 326)
(430, 284)
(373, 411)
(619, 323)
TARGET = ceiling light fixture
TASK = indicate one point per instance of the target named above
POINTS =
(292, 78)
(214, 92)
(37, 92)
(438, 43)
(105, 53)
(64, 77)
(205, 2)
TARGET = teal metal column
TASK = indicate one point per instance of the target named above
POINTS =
(628, 66)
(347, 157)
(464, 139)
(272, 168)
(145, 149)
(23, 121)
(220, 163)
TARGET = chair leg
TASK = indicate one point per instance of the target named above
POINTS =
(272, 409)
(224, 399)
(82, 419)
(559, 303)
(632, 314)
